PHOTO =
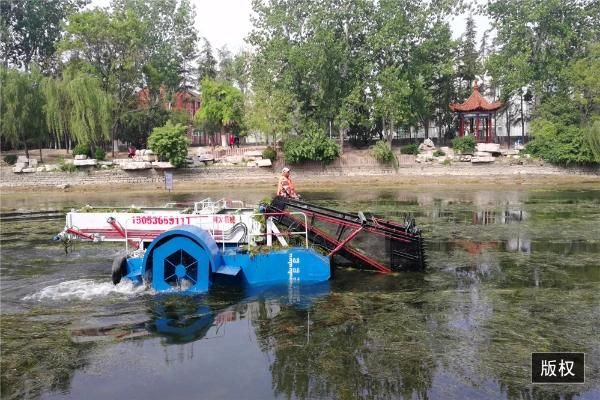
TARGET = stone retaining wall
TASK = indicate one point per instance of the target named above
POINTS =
(269, 175)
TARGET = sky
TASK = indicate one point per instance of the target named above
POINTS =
(227, 22)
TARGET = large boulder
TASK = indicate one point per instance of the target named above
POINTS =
(233, 159)
(162, 165)
(22, 159)
(426, 145)
(488, 147)
(263, 163)
(482, 160)
(20, 166)
(85, 163)
(149, 157)
(80, 157)
(133, 165)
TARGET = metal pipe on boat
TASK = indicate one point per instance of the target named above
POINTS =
(345, 241)
(80, 234)
(117, 227)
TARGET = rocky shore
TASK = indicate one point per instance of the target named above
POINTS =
(304, 176)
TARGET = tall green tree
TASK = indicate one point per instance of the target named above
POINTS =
(30, 30)
(77, 105)
(169, 43)
(207, 63)
(469, 63)
(222, 107)
(21, 108)
(535, 41)
(111, 47)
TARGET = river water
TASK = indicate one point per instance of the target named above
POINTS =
(510, 272)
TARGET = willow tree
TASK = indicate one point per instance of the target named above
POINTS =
(21, 108)
(77, 107)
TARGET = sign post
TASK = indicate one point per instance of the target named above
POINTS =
(169, 181)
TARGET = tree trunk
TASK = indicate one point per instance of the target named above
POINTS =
(26, 150)
(508, 127)
(112, 139)
(41, 159)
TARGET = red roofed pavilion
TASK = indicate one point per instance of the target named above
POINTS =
(478, 112)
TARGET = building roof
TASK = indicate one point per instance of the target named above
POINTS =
(475, 102)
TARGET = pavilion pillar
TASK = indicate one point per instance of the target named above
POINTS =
(489, 128)
(462, 125)
(477, 127)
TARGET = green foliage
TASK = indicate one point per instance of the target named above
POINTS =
(66, 167)
(30, 30)
(170, 143)
(269, 153)
(82, 149)
(559, 143)
(383, 153)
(207, 64)
(10, 159)
(438, 153)
(137, 125)
(21, 108)
(563, 134)
(464, 145)
(411, 148)
(178, 117)
(311, 146)
(222, 106)
(592, 136)
(77, 104)
(100, 154)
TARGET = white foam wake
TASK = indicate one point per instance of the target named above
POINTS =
(85, 289)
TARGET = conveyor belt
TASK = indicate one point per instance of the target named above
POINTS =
(364, 240)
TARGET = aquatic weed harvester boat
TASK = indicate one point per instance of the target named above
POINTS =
(188, 247)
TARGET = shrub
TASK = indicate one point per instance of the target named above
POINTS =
(438, 153)
(560, 143)
(82, 149)
(383, 153)
(410, 149)
(10, 159)
(170, 143)
(66, 167)
(464, 145)
(100, 154)
(269, 153)
(311, 146)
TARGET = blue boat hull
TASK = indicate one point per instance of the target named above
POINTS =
(187, 259)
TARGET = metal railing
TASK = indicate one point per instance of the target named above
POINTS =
(217, 228)
(290, 233)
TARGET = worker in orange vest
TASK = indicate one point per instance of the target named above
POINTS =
(286, 187)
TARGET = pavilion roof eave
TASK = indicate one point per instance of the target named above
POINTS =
(476, 103)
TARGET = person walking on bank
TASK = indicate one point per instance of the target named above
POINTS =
(231, 140)
(286, 186)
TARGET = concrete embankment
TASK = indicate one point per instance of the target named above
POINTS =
(415, 174)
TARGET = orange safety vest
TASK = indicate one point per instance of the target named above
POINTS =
(285, 187)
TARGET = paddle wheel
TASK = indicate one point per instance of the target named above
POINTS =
(362, 239)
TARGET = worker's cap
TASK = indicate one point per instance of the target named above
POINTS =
(286, 169)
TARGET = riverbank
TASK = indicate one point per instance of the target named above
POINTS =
(306, 177)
